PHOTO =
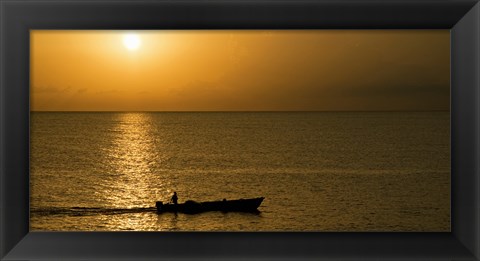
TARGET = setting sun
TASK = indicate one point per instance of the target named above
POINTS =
(131, 41)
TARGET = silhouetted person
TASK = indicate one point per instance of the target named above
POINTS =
(224, 204)
(175, 198)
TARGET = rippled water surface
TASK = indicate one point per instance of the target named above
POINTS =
(325, 171)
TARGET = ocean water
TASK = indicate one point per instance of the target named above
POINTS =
(318, 171)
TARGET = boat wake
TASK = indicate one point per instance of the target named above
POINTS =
(88, 211)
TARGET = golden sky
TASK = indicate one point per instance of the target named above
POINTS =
(240, 70)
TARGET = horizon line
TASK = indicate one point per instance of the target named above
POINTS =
(240, 111)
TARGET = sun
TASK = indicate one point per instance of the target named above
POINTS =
(131, 41)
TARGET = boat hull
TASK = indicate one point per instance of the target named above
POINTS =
(192, 207)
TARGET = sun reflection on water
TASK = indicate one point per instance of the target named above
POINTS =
(132, 158)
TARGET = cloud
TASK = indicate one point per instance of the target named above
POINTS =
(83, 90)
(111, 91)
(51, 90)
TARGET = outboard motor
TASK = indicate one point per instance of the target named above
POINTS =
(159, 206)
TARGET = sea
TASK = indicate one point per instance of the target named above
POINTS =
(318, 171)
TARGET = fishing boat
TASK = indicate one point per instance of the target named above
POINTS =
(193, 207)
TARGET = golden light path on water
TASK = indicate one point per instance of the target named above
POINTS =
(130, 157)
(132, 183)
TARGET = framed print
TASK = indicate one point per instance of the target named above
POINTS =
(239, 130)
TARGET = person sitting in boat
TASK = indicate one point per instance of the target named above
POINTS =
(175, 198)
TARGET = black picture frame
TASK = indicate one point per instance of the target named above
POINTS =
(17, 17)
